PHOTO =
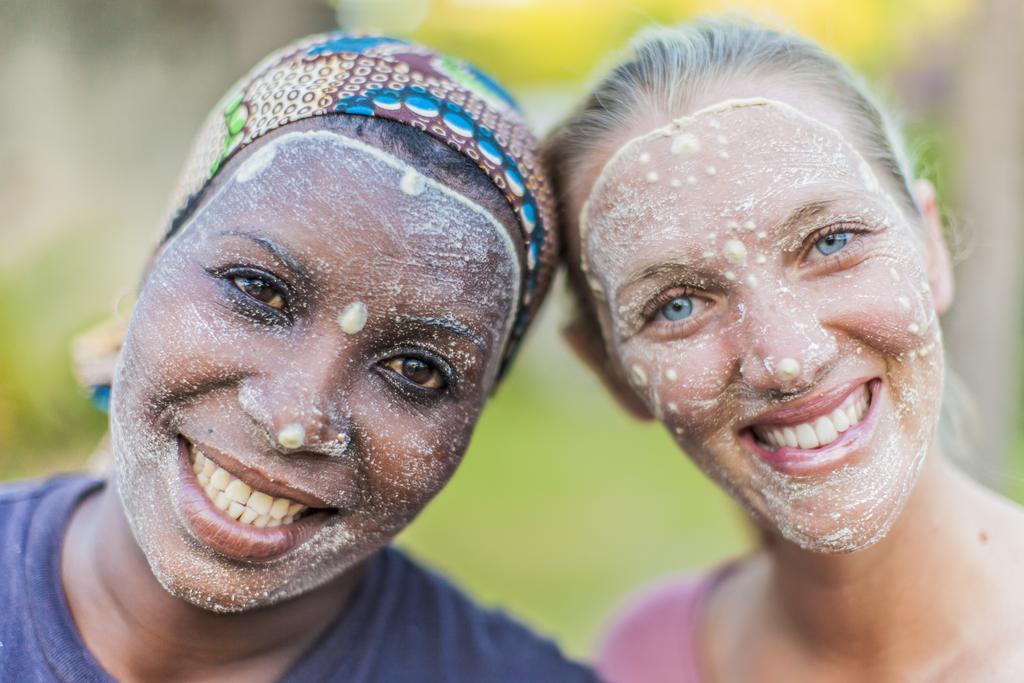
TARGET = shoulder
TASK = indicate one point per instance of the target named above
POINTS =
(481, 644)
(651, 638)
(28, 494)
(40, 503)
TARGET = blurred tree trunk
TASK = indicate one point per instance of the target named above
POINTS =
(984, 328)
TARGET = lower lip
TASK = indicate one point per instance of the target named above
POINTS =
(233, 539)
(798, 461)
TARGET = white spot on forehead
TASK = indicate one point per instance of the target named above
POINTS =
(430, 185)
(651, 177)
(735, 252)
(685, 142)
(645, 158)
(353, 318)
(412, 182)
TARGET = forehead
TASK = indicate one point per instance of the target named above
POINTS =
(363, 219)
(739, 160)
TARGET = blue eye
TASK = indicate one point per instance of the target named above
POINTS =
(679, 308)
(830, 244)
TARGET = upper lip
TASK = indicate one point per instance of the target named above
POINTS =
(810, 408)
(258, 479)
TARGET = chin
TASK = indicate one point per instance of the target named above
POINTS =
(826, 535)
(849, 511)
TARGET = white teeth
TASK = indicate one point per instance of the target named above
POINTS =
(805, 436)
(260, 502)
(220, 479)
(249, 516)
(238, 500)
(238, 491)
(280, 508)
(823, 430)
(840, 421)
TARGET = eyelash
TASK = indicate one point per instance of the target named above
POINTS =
(265, 313)
(250, 305)
(407, 386)
(649, 315)
(857, 232)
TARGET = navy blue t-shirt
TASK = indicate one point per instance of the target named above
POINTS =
(403, 624)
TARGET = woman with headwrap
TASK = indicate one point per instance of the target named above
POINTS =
(358, 243)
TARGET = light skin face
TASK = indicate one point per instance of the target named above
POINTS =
(236, 336)
(747, 260)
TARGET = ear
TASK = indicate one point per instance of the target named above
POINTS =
(939, 263)
(586, 342)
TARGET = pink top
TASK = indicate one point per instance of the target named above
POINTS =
(654, 638)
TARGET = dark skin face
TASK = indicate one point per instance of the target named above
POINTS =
(243, 339)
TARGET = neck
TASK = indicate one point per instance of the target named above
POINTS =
(139, 631)
(909, 596)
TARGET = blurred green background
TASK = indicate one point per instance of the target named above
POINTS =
(563, 504)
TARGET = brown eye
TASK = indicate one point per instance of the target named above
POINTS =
(417, 371)
(260, 290)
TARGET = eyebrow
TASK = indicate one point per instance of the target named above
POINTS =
(796, 217)
(802, 214)
(446, 323)
(688, 274)
(270, 245)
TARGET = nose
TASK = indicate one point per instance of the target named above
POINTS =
(299, 409)
(783, 346)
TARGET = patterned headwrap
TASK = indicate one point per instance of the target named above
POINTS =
(341, 74)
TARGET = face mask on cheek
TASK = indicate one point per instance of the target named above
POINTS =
(746, 260)
(186, 361)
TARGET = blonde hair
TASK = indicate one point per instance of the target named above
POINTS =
(670, 67)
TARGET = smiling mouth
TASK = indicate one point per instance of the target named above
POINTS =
(240, 501)
(818, 431)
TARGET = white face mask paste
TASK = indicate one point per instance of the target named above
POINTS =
(292, 436)
(773, 320)
(191, 366)
(353, 318)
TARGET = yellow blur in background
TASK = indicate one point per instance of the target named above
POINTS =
(563, 505)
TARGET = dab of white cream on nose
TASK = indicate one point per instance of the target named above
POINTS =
(788, 369)
(353, 318)
(292, 436)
